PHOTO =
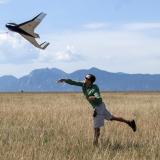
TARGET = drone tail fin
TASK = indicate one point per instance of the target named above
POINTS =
(44, 45)
(36, 35)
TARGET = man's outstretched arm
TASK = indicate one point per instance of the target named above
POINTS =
(71, 82)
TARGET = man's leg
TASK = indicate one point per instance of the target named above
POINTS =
(120, 119)
(96, 136)
(131, 123)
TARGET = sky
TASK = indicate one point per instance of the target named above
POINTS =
(112, 35)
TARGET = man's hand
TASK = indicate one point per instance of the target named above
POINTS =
(61, 81)
(91, 98)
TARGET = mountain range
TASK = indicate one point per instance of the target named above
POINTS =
(44, 80)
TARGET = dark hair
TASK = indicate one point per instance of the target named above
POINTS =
(91, 77)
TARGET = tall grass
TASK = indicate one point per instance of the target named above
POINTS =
(54, 126)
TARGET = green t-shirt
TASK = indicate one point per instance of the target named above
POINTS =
(92, 90)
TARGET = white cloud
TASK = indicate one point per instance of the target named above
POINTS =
(15, 50)
(142, 26)
(69, 54)
(63, 53)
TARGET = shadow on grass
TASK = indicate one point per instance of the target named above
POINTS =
(118, 146)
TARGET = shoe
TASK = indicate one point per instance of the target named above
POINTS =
(132, 124)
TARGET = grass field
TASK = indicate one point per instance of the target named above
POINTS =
(58, 126)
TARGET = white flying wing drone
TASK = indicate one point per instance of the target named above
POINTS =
(26, 30)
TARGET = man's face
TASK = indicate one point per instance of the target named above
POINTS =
(87, 81)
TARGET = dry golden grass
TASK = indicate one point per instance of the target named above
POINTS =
(54, 126)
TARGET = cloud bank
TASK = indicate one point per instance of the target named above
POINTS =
(130, 47)
(15, 50)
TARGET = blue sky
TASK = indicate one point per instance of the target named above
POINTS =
(114, 35)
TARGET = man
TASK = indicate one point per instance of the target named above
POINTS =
(92, 93)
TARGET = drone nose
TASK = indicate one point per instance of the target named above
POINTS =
(7, 25)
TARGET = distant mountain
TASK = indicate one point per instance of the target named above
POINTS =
(44, 80)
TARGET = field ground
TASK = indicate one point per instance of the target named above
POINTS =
(54, 126)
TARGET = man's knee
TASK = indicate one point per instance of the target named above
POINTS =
(112, 118)
(97, 131)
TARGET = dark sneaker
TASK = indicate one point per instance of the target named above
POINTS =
(132, 124)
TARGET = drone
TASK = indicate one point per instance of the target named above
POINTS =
(26, 30)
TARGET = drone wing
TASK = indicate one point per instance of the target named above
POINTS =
(30, 25)
(34, 42)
